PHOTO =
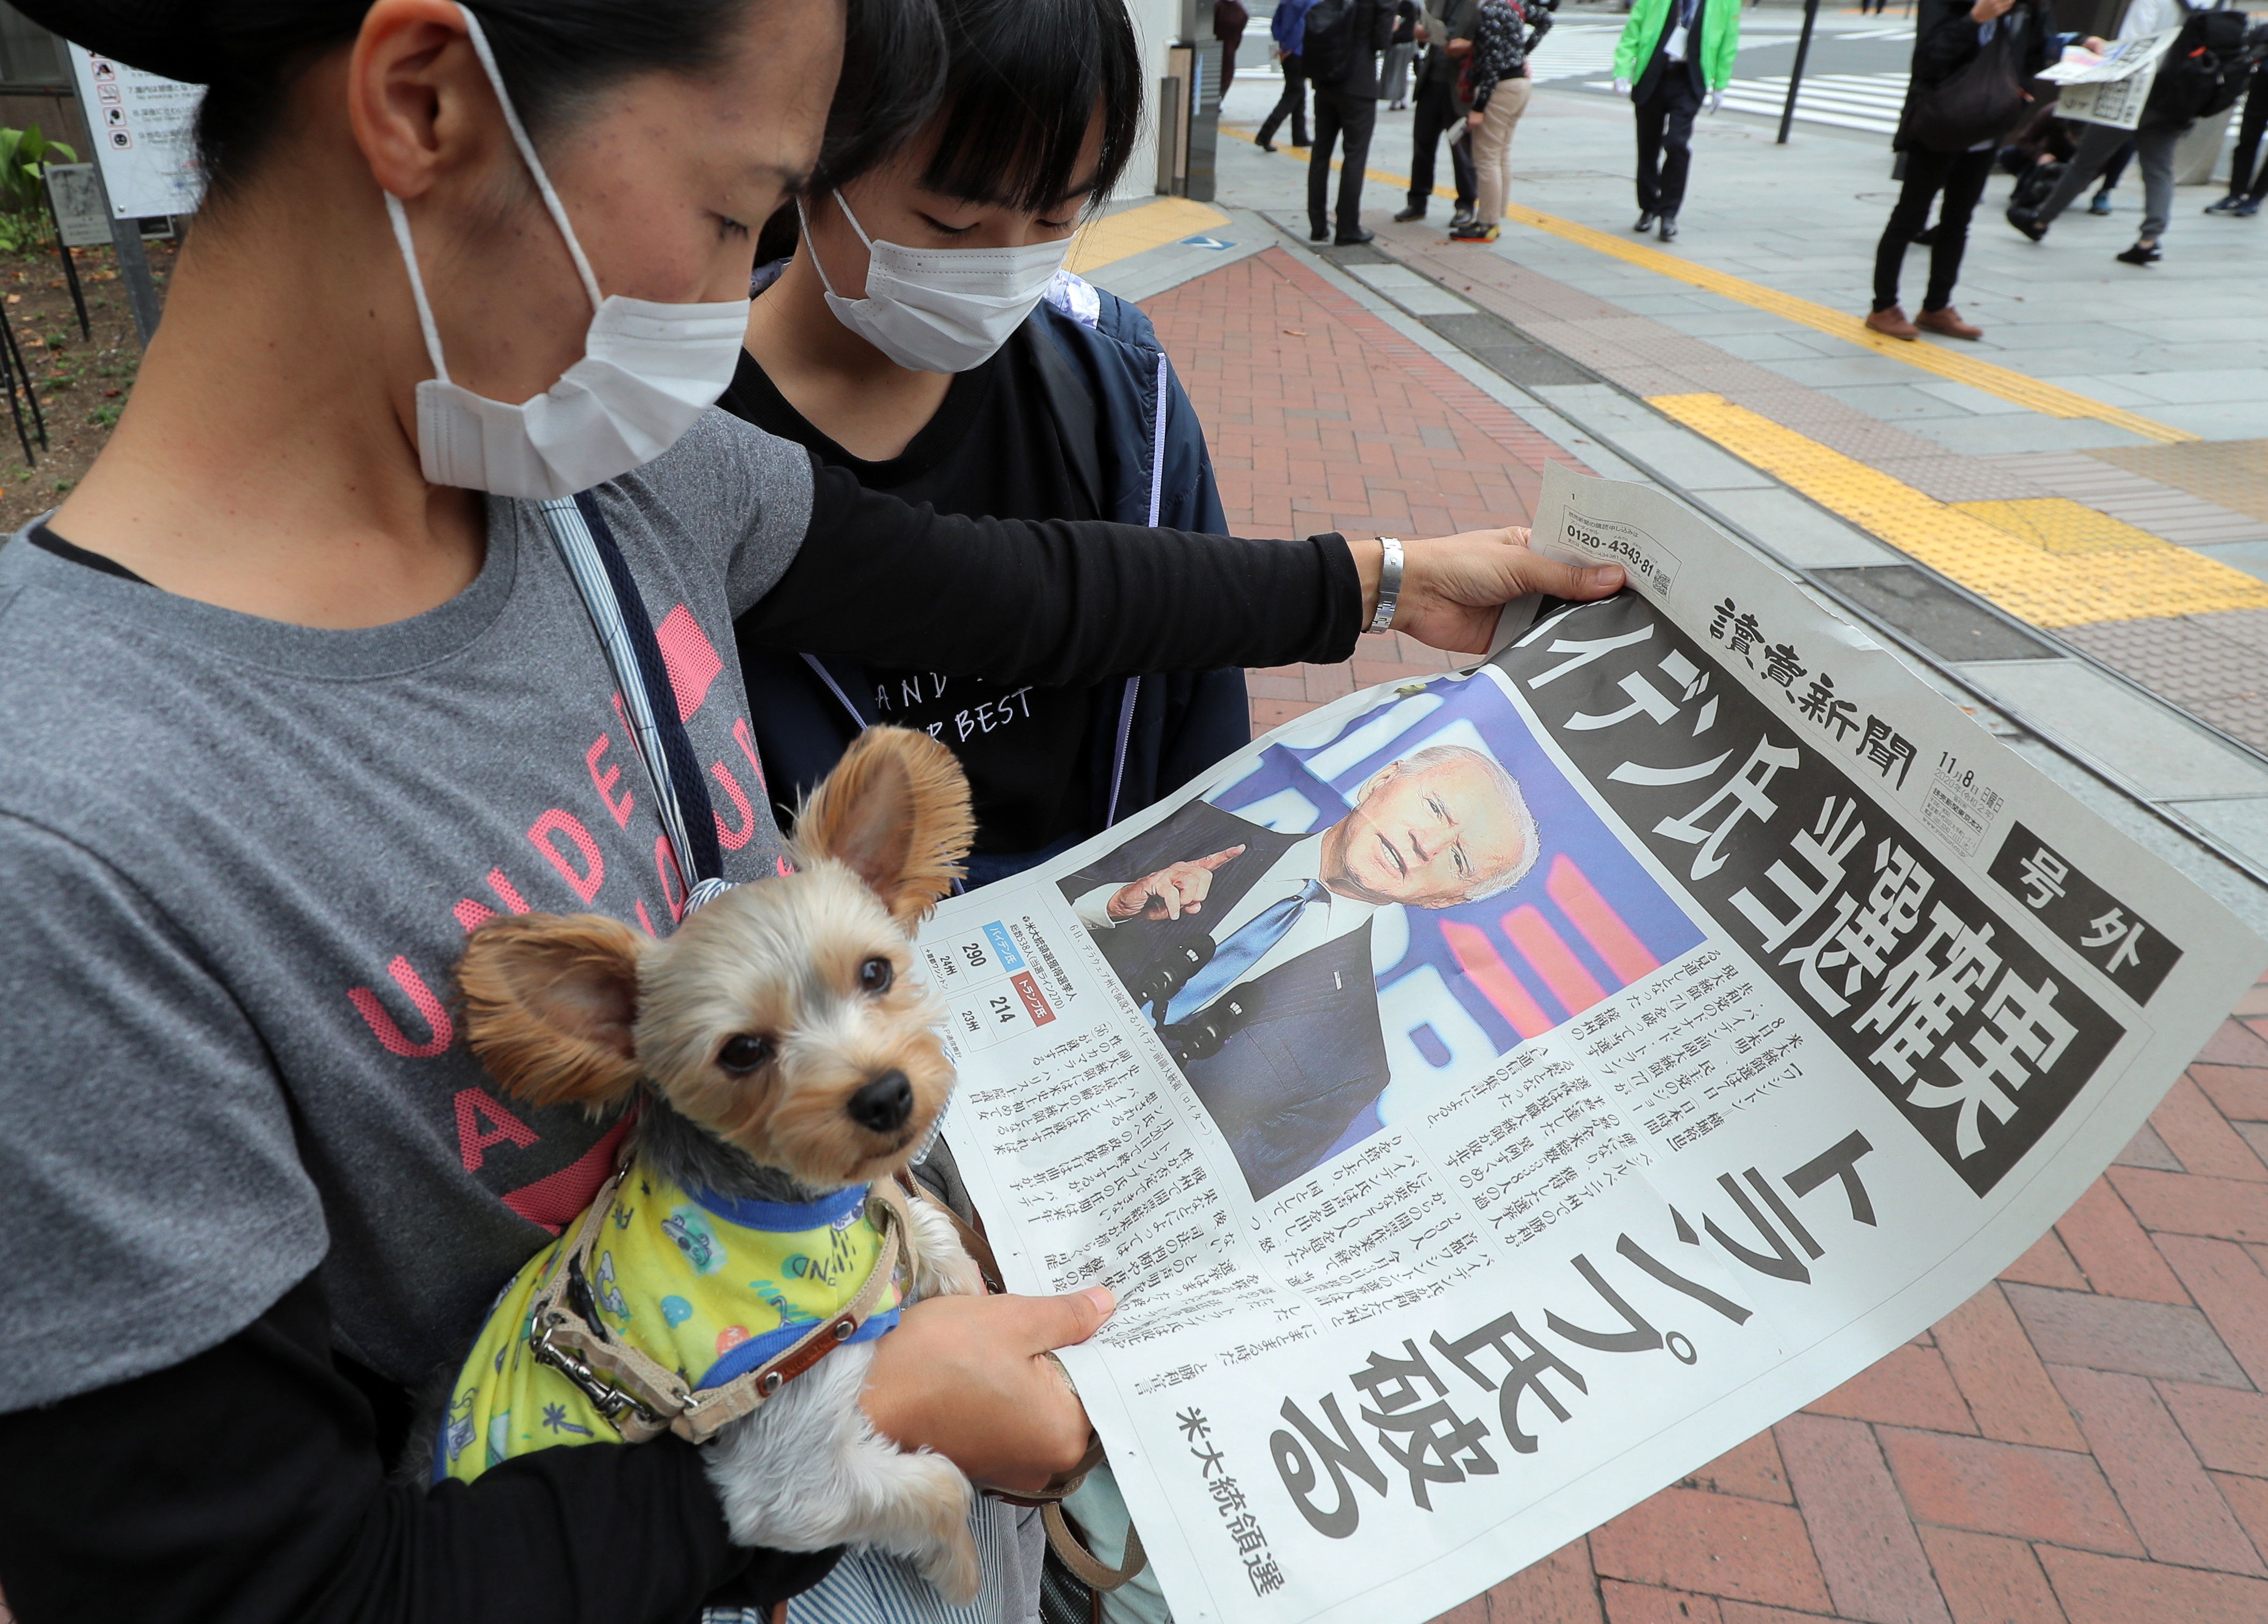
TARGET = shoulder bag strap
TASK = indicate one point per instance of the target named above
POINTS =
(618, 614)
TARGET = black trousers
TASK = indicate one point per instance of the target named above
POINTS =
(2241, 175)
(1292, 104)
(1436, 113)
(1961, 176)
(1665, 141)
(1353, 114)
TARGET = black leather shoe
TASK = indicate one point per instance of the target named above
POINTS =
(1645, 220)
(1669, 228)
(2027, 221)
(1317, 233)
(1359, 238)
(1265, 146)
(1416, 211)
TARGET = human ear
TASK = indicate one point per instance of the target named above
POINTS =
(1378, 781)
(550, 1002)
(896, 810)
(416, 94)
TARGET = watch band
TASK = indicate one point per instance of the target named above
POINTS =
(1389, 583)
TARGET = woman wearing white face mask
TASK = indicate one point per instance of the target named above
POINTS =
(301, 689)
(924, 339)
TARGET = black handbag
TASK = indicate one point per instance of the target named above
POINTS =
(1984, 102)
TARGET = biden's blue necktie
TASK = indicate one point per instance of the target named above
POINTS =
(1245, 947)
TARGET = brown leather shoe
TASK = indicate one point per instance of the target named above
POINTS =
(1892, 323)
(1947, 323)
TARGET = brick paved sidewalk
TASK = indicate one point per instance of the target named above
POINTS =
(2084, 1443)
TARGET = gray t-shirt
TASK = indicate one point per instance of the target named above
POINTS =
(237, 861)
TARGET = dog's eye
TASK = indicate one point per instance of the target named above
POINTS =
(744, 1052)
(875, 975)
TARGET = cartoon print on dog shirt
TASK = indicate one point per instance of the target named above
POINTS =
(610, 1294)
(695, 1239)
(659, 1285)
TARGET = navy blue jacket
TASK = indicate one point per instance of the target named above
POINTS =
(1113, 389)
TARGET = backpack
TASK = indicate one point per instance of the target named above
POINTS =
(2205, 71)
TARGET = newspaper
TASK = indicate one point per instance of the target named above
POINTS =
(2111, 88)
(1572, 1067)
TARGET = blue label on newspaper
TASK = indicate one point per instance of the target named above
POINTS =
(996, 934)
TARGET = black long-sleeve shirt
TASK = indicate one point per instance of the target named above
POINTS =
(248, 1486)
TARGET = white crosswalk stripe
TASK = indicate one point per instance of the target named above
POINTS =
(1867, 101)
(1575, 51)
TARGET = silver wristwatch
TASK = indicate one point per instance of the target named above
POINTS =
(1389, 582)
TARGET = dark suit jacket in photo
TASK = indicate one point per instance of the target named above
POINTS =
(1286, 1084)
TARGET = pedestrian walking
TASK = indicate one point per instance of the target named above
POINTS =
(1287, 30)
(1446, 33)
(2245, 189)
(1674, 56)
(1229, 18)
(1340, 45)
(1496, 74)
(2202, 73)
(1396, 87)
(1968, 96)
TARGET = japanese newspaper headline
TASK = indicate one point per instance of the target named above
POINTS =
(1492, 1098)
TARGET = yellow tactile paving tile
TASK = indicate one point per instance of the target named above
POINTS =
(1130, 231)
(2048, 399)
(2059, 526)
(2047, 560)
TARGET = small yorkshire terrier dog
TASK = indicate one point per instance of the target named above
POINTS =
(782, 1059)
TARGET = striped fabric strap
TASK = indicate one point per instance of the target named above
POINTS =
(618, 614)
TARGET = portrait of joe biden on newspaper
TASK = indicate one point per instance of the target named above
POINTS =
(1250, 949)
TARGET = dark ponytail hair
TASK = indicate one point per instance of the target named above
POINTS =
(552, 54)
(1023, 82)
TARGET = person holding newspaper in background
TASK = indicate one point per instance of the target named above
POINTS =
(1674, 55)
(235, 1093)
(1968, 95)
(1446, 35)
(1496, 79)
(1039, 398)
(2202, 73)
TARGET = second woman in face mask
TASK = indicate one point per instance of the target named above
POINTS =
(922, 339)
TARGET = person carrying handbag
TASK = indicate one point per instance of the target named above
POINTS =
(1969, 77)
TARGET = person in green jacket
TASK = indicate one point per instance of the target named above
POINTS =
(1674, 55)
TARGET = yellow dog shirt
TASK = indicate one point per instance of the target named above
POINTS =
(709, 1287)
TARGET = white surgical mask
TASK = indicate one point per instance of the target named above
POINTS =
(648, 371)
(941, 310)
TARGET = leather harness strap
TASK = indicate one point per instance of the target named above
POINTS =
(1088, 1568)
(640, 1396)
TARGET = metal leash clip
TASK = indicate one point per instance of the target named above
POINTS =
(610, 1401)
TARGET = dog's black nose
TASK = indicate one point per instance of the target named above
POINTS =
(884, 1104)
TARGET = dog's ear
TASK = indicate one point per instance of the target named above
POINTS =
(895, 809)
(549, 1004)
